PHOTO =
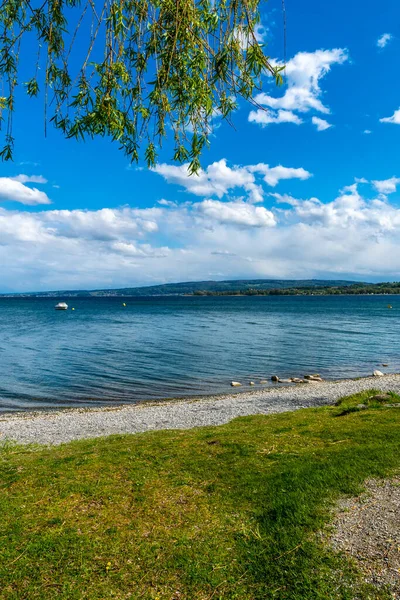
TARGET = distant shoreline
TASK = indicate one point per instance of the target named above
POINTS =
(60, 426)
(238, 287)
(206, 295)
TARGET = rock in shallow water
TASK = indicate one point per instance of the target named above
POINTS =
(378, 373)
(235, 384)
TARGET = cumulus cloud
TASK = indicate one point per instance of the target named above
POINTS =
(383, 40)
(219, 179)
(320, 124)
(395, 118)
(29, 178)
(367, 131)
(103, 224)
(273, 175)
(164, 202)
(14, 190)
(237, 213)
(285, 199)
(303, 74)
(143, 251)
(210, 238)
(216, 180)
(348, 210)
(386, 186)
(266, 117)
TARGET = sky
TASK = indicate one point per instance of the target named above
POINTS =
(307, 187)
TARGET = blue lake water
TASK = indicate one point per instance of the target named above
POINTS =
(105, 353)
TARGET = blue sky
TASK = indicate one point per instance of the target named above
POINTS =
(305, 188)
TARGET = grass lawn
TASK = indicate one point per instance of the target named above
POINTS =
(226, 512)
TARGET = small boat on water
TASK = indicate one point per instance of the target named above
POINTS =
(61, 306)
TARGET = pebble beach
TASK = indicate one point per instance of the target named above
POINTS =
(61, 426)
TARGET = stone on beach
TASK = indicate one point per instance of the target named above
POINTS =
(57, 427)
(275, 378)
(313, 377)
(378, 373)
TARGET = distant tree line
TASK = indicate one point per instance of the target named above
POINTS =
(353, 289)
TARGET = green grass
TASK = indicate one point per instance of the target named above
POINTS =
(227, 512)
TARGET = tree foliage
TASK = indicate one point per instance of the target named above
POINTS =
(134, 70)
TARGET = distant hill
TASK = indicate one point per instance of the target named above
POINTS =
(197, 287)
(236, 285)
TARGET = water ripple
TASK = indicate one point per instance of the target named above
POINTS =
(166, 347)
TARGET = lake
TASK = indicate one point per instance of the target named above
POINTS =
(103, 353)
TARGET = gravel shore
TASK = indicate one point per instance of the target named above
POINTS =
(368, 529)
(57, 427)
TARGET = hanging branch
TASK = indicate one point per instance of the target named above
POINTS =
(133, 70)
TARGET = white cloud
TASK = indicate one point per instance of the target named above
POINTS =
(164, 202)
(383, 40)
(15, 191)
(210, 239)
(348, 210)
(288, 199)
(142, 251)
(395, 118)
(320, 124)
(367, 131)
(216, 180)
(266, 117)
(350, 189)
(104, 224)
(303, 74)
(219, 179)
(273, 175)
(285, 199)
(386, 186)
(237, 213)
(29, 178)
